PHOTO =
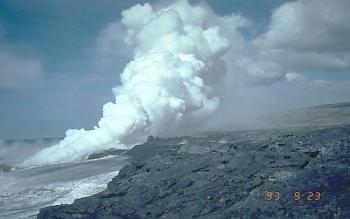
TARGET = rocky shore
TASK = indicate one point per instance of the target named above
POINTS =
(298, 173)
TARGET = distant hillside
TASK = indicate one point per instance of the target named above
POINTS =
(324, 115)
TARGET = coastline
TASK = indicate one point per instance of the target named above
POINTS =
(227, 174)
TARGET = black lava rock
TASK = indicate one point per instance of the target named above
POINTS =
(301, 173)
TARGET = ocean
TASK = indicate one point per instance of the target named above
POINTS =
(24, 191)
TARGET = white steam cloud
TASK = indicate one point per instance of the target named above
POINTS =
(185, 79)
(162, 89)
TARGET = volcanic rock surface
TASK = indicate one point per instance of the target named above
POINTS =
(228, 175)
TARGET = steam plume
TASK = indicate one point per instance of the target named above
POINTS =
(162, 89)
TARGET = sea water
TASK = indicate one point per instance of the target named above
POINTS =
(23, 191)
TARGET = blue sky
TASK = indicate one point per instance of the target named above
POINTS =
(61, 38)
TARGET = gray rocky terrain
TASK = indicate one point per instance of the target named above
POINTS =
(324, 115)
(304, 171)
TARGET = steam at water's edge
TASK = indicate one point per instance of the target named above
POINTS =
(162, 89)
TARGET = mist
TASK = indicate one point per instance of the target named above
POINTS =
(191, 71)
(162, 89)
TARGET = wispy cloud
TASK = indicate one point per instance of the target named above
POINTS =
(17, 71)
(2, 29)
(112, 53)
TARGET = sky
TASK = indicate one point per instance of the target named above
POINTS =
(60, 59)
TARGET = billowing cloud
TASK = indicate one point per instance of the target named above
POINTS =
(162, 89)
(193, 70)
(308, 34)
(114, 47)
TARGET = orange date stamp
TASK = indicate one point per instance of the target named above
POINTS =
(309, 196)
